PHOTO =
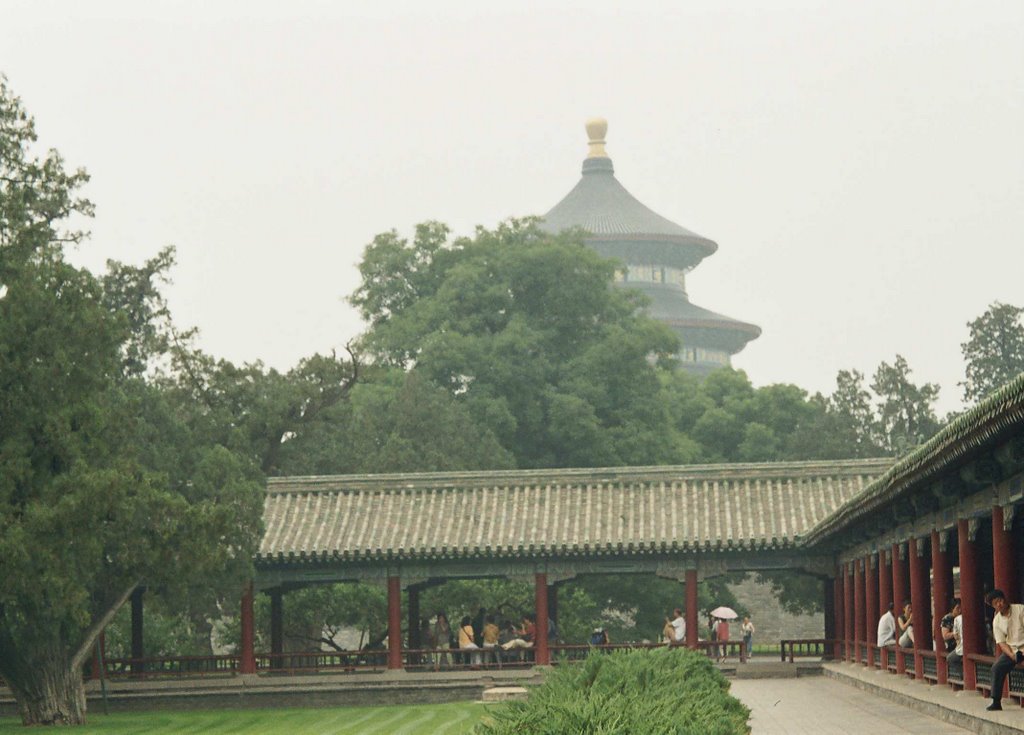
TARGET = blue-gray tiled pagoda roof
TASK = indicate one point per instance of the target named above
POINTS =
(601, 205)
(670, 305)
(619, 226)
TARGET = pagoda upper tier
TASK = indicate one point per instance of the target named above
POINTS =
(656, 254)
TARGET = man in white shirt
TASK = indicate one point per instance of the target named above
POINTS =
(887, 628)
(679, 626)
(1008, 631)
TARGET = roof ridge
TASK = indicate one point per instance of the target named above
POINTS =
(410, 480)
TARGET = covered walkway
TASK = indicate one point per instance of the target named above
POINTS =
(941, 521)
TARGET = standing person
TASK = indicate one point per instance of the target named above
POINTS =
(1008, 631)
(678, 627)
(713, 635)
(478, 627)
(748, 635)
(442, 640)
(427, 639)
(723, 638)
(466, 642)
(905, 623)
(887, 628)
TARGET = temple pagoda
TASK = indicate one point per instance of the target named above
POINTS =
(656, 254)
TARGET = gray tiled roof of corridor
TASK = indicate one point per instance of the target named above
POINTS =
(554, 513)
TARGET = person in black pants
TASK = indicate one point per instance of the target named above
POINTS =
(1008, 631)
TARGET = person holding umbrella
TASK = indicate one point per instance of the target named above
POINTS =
(723, 615)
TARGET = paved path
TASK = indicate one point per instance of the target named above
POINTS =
(817, 705)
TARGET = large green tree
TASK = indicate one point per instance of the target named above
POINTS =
(394, 421)
(528, 332)
(994, 351)
(102, 488)
(905, 410)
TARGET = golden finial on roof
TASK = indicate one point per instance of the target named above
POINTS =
(597, 127)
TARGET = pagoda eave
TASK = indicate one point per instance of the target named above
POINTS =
(675, 251)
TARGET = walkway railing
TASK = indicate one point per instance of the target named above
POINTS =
(1014, 686)
(119, 668)
(366, 661)
(315, 661)
(792, 649)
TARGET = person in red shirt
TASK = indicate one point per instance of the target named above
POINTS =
(723, 637)
(527, 635)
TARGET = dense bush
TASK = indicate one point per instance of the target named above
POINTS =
(654, 692)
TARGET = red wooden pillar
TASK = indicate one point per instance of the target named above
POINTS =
(691, 608)
(540, 643)
(848, 611)
(247, 664)
(870, 605)
(899, 594)
(553, 604)
(884, 581)
(413, 619)
(970, 602)
(858, 609)
(394, 622)
(839, 608)
(942, 593)
(138, 646)
(1003, 555)
(925, 638)
(276, 627)
(830, 608)
(99, 656)
(921, 604)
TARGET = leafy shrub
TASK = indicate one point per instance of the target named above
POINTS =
(654, 692)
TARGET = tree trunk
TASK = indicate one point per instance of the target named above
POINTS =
(48, 691)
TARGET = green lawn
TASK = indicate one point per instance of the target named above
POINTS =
(422, 719)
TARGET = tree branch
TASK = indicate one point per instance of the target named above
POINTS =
(94, 630)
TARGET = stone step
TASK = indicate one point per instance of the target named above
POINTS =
(503, 694)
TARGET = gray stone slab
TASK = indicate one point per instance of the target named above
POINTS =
(824, 706)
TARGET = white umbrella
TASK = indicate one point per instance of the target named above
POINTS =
(725, 613)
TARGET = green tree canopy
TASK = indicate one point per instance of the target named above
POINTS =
(528, 332)
(994, 351)
(905, 410)
(102, 486)
(394, 421)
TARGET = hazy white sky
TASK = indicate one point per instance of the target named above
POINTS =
(860, 164)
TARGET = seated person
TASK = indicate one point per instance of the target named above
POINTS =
(526, 635)
(466, 641)
(887, 628)
(1008, 630)
(905, 623)
(946, 626)
(490, 636)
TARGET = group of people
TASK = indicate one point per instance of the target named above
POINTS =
(475, 638)
(674, 633)
(1007, 635)
(893, 629)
